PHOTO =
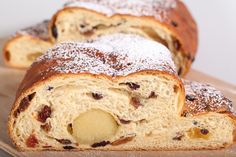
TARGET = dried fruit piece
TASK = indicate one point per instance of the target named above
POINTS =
(54, 31)
(177, 44)
(185, 114)
(198, 133)
(131, 85)
(152, 95)
(47, 147)
(195, 122)
(44, 114)
(64, 141)
(173, 23)
(32, 141)
(178, 136)
(176, 88)
(69, 147)
(122, 140)
(97, 96)
(49, 88)
(180, 71)
(25, 102)
(204, 131)
(124, 121)
(135, 102)
(69, 128)
(94, 126)
(46, 127)
(190, 98)
(100, 144)
(189, 56)
(88, 33)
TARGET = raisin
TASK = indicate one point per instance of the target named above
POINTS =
(54, 31)
(64, 141)
(100, 144)
(69, 128)
(190, 98)
(195, 122)
(189, 57)
(177, 45)
(25, 102)
(46, 127)
(124, 121)
(49, 88)
(7, 55)
(176, 88)
(32, 141)
(97, 96)
(196, 133)
(204, 131)
(122, 140)
(178, 137)
(47, 147)
(143, 121)
(131, 85)
(180, 71)
(88, 33)
(173, 23)
(82, 26)
(135, 102)
(152, 95)
(44, 114)
(185, 114)
(68, 147)
(31, 96)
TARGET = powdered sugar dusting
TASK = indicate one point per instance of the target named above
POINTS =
(201, 98)
(113, 55)
(155, 8)
(39, 30)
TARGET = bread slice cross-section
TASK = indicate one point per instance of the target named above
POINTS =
(26, 45)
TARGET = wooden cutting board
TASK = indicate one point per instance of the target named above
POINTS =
(10, 79)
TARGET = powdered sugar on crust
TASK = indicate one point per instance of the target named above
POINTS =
(154, 8)
(39, 30)
(114, 55)
(203, 98)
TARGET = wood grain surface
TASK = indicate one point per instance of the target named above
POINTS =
(10, 79)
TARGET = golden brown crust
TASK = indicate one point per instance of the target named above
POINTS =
(178, 20)
(38, 32)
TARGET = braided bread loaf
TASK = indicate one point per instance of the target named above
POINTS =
(166, 21)
(117, 92)
(26, 45)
